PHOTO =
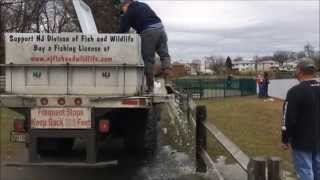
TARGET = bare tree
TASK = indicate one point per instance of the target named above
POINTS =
(265, 58)
(301, 54)
(1, 37)
(28, 16)
(281, 56)
(229, 64)
(256, 59)
(218, 64)
(55, 17)
(106, 14)
(309, 50)
(237, 59)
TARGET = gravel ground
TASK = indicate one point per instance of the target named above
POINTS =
(168, 165)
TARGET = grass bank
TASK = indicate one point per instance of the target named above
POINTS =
(251, 123)
(6, 124)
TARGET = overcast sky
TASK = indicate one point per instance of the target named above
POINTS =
(245, 28)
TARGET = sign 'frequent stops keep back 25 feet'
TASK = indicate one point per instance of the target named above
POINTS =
(60, 118)
(72, 48)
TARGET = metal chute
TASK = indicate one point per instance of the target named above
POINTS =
(85, 17)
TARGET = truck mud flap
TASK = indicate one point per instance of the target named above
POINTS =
(63, 164)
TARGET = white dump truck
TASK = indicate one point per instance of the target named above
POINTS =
(73, 86)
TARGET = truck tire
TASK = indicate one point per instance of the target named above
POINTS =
(151, 134)
(134, 136)
(142, 134)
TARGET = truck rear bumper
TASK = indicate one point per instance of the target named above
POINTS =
(88, 135)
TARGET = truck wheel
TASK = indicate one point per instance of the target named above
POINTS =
(134, 135)
(152, 131)
(142, 133)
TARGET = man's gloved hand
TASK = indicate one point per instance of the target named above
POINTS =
(285, 146)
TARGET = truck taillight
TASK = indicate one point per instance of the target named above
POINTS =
(104, 126)
(19, 125)
(78, 101)
(61, 101)
(44, 101)
(134, 102)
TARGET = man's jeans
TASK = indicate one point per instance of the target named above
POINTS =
(154, 41)
(307, 164)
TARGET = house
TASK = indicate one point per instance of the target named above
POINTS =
(195, 67)
(267, 65)
(188, 68)
(291, 65)
(208, 72)
(178, 70)
(248, 66)
(243, 66)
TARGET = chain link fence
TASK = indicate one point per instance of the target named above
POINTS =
(216, 88)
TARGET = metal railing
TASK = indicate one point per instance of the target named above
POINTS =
(2, 83)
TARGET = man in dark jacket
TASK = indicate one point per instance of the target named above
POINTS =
(144, 20)
(265, 85)
(301, 123)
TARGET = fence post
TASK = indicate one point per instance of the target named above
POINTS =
(257, 168)
(224, 88)
(188, 107)
(241, 84)
(200, 87)
(274, 168)
(201, 137)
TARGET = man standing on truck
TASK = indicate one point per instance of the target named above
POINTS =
(154, 39)
(301, 122)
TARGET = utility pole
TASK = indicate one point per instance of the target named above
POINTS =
(1, 23)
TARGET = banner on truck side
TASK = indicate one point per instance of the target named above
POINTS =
(72, 48)
(61, 118)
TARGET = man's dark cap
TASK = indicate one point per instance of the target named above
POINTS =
(307, 66)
